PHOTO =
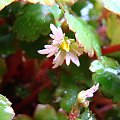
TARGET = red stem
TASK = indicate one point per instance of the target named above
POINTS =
(108, 50)
(111, 49)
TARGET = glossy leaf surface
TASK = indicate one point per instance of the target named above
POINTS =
(107, 75)
(103, 63)
(109, 84)
(84, 34)
(34, 21)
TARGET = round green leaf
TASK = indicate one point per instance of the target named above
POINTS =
(34, 21)
(69, 97)
(109, 83)
(104, 62)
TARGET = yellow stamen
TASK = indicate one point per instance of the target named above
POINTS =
(65, 46)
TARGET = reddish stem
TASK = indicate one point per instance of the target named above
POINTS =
(108, 50)
(111, 49)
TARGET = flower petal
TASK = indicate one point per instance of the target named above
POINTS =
(93, 89)
(53, 28)
(74, 59)
(60, 30)
(57, 35)
(44, 51)
(59, 59)
(52, 36)
(48, 46)
(68, 59)
(49, 49)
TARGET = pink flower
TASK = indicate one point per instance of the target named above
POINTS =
(57, 36)
(62, 47)
(83, 95)
(93, 89)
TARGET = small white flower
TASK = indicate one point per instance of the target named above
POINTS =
(62, 47)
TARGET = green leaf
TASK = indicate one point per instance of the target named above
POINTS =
(112, 5)
(34, 21)
(103, 63)
(11, 10)
(22, 117)
(78, 6)
(6, 112)
(57, 12)
(87, 115)
(69, 97)
(109, 82)
(85, 35)
(107, 75)
(113, 29)
(66, 92)
(45, 112)
(4, 3)
(6, 41)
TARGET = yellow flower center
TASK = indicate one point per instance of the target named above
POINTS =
(65, 46)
